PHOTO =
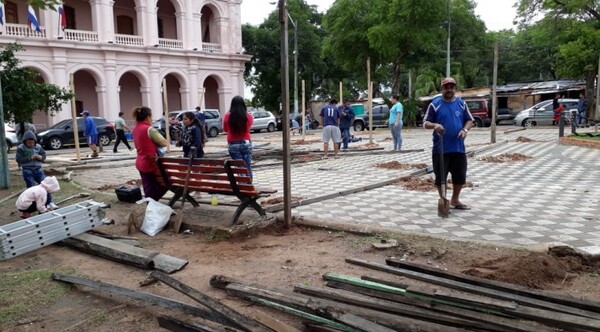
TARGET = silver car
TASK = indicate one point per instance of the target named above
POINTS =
(11, 137)
(263, 120)
(542, 114)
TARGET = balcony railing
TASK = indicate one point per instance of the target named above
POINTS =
(210, 47)
(24, 30)
(130, 40)
(81, 36)
(170, 43)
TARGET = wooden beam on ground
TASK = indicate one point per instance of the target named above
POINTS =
(279, 207)
(498, 285)
(146, 297)
(272, 322)
(551, 314)
(353, 320)
(231, 316)
(125, 253)
(175, 325)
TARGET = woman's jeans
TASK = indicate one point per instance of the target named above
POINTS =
(242, 150)
(397, 136)
(345, 137)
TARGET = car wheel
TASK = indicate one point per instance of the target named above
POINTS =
(359, 126)
(104, 140)
(55, 143)
(213, 132)
(477, 123)
(271, 127)
(528, 123)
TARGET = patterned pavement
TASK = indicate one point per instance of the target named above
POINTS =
(551, 198)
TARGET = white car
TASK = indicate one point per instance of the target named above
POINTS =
(263, 120)
(542, 113)
(11, 137)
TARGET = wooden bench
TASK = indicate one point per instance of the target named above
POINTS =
(213, 176)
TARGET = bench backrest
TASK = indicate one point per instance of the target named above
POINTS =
(220, 176)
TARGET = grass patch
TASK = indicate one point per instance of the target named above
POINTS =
(21, 292)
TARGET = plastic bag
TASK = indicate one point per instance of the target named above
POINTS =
(157, 216)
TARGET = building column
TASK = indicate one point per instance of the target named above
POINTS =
(98, 19)
(146, 95)
(108, 23)
(235, 26)
(193, 86)
(112, 102)
(151, 27)
(225, 97)
(223, 28)
(156, 103)
(50, 19)
(182, 33)
(196, 31)
(102, 101)
(61, 79)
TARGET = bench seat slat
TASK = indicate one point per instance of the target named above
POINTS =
(207, 185)
(209, 162)
(203, 169)
(205, 176)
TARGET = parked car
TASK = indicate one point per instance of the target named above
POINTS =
(504, 114)
(480, 112)
(381, 114)
(61, 134)
(542, 113)
(11, 137)
(214, 124)
(263, 120)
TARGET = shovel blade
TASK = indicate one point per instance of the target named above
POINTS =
(443, 208)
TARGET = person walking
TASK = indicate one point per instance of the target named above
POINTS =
(346, 116)
(192, 135)
(582, 106)
(30, 156)
(120, 127)
(237, 123)
(330, 116)
(147, 140)
(395, 122)
(555, 106)
(90, 132)
(449, 117)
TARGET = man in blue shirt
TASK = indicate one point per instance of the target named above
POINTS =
(449, 116)
(581, 109)
(330, 116)
(346, 114)
(90, 132)
(395, 122)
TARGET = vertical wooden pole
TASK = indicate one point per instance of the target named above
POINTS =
(494, 95)
(303, 110)
(597, 115)
(74, 116)
(166, 113)
(341, 92)
(410, 84)
(370, 100)
(4, 173)
(285, 100)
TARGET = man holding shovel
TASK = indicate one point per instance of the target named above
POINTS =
(450, 119)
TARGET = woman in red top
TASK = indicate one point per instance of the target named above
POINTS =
(236, 124)
(147, 139)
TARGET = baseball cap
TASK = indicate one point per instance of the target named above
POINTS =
(85, 112)
(448, 80)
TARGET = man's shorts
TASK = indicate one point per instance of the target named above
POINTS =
(455, 164)
(332, 133)
(92, 139)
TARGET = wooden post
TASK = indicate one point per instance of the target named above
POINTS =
(370, 100)
(4, 174)
(341, 92)
(303, 110)
(166, 114)
(74, 116)
(597, 115)
(494, 95)
(410, 84)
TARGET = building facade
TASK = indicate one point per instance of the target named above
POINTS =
(165, 54)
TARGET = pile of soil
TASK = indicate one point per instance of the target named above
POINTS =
(369, 145)
(549, 270)
(279, 200)
(309, 157)
(109, 187)
(387, 139)
(505, 157)
(53, 172)
(417, 183)
(523, 139)
(398, 165)
(305, 142)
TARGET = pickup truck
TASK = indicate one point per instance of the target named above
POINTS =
(381, 114)
(480, 111)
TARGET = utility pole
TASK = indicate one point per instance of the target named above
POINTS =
(597, 115)
(74, 116)
(370, 100)
(494, 97)
(294, 23)
(448, 46)
(285, 118)
(165, 105)
(303, 110)
(4, 174)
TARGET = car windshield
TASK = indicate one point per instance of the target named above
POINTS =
(61, 124)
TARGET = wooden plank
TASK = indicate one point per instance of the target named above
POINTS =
(175, 325)
(114, 250)
(502, 323)
(233, 317)
(272, 322)
(391, 307)
(146, 297)
(552, 314)
(498, 285)
(354, 321)
(128, 258)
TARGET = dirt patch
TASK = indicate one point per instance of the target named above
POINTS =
(306, 142)
(417, 183)
(369, 145)
(279, 200)
(549, 270)
(109, 187)
(309, 157)
(387, 139)
(398, 165)
(53, 172)
(523, 139)
(505, 158)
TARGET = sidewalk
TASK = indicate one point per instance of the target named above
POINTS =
(547, 199)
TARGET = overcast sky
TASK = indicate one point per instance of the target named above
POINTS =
(497, 14)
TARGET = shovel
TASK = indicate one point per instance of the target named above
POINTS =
(179, 221)
(443, 202)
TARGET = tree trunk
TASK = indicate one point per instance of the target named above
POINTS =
(396, 77)
(590, 93)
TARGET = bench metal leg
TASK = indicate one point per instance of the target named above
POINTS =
(245, 203)
(177, 196)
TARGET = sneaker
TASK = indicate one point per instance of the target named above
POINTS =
(52, 206)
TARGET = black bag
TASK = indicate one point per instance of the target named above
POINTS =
(128, 193)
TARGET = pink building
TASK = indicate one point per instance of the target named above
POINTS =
(176, 54)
